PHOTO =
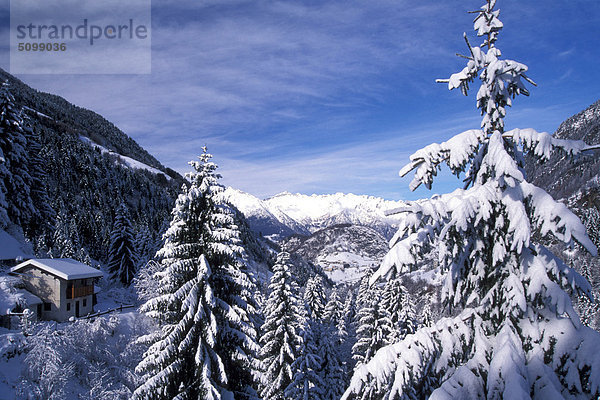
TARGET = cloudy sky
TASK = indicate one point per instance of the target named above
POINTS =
(332, 96)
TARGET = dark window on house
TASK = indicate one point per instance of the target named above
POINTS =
(47, 306)
(68, 306)
(85, 302)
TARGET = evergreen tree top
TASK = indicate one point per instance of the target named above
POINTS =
(500, 79)
(204, 169)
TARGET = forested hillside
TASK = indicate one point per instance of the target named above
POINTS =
(67, 191)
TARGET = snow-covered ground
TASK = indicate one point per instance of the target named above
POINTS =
(345, 267)
(130, 162)
(10, 362)
(128, 325)
(36, 111)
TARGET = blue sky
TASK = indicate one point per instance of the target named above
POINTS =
(323, 97)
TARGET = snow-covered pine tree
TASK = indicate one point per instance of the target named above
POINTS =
(374, 327)
(332, 313)
(63, 245)
(426, 314)
(349, 307)
(4, 173)
(397, 305)
(38, 224)
(332, 371)
(391, 303)
(145, 245)
(407, 322)
(346, 332)
(207, 341)
(122, 256)
(280, 340)
(363, 294)
(14, 161)
(517, 336)
(591, 218)
(314, 298)
(146, 282)
(307, 384)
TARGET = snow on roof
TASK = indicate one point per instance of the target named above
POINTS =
(65, 268)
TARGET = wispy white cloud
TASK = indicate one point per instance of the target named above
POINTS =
(309, 96)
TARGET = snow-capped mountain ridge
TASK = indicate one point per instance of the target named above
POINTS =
(286, 213)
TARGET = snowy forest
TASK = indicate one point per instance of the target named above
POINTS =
(487, 292)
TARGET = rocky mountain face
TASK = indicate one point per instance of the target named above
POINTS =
(344, 252)
(562, 177)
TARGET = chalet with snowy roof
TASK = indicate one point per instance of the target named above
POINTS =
(65, 286)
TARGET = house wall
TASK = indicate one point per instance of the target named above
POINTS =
(48, 288)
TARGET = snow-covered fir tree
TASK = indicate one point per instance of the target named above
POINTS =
(145, 245)
(332, 313)
(307, 383)
(426, 314)
(362, 297)
(346, 333)
(4, 220)
(206, 345)
(374, 327)
(63, 244)
(38, 224)
(517, 336)
(314, 298)
(122, 256)
(146, 282)
(397, 306)
(280, 341)
(332, 370)
(407, 322)
(591, 219)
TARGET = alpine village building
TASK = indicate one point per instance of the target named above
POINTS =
(64, 286)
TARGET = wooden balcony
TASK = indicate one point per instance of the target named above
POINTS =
(81, 291)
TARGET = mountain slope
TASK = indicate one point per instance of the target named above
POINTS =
(344, 252)
(81, 184)
(262, 219)
(70, 118)
(561, 177)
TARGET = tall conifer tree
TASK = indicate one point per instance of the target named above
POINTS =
(281, 340)
(206, 346)
(517, 336)
(122, 256)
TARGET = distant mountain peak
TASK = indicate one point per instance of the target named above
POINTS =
(285, 213)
